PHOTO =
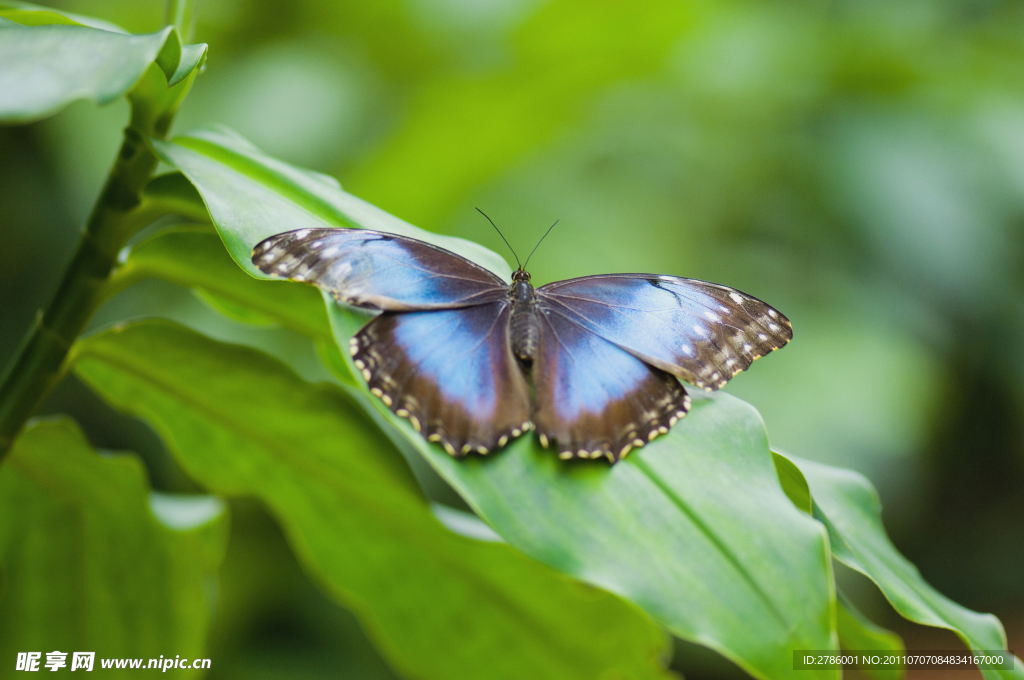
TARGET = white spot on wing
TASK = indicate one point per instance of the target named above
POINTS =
(736, 297)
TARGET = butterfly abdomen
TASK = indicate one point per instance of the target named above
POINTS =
(523, 330)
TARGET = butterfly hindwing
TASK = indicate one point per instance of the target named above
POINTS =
(594, 399)
(451, 373)
(377, 270)
(701, 332)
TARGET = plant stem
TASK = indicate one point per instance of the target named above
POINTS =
(119, 212)
(39, 362)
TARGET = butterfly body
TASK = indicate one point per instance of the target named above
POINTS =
(523, 328)
(593, 364)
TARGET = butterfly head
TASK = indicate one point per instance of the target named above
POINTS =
(521, 291)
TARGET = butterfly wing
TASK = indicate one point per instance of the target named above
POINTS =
(439, 355)
(595, 399)
(701, 332)
(375, 270)
(450, 372)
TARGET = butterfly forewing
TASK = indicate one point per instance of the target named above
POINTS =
(701, 332)
(451, 373)
(378, 271)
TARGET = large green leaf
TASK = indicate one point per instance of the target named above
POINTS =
(45, 68)
(847, 504)
(696, 529)
(92, 561)
(438, 604)
(252, 196)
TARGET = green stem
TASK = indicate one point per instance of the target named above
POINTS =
(119, 212)
(38, 364)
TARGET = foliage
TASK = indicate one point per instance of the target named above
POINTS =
(705, 533)
(241, 423)
(95, 561)
(848, 506)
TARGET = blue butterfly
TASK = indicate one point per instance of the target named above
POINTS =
(455, 348)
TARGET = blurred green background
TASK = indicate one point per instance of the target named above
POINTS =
(859, 165)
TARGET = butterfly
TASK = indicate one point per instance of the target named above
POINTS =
(592, 364)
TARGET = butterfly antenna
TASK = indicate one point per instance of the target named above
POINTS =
(501, 235)
(539, 242)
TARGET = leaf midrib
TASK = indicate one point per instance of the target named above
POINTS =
(723, 549)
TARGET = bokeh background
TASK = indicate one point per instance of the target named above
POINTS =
(860, 165)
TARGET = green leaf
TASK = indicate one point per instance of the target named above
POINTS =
(793, 482)
(438, 605)
(694, 528)
(857, 632)
(45, 68)
(697, 529)
(233, 309)
(92, 561)
(252, 196)
(27, 14)
(196, 259)
(173, 193)
(178, 60)
(847, 504)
